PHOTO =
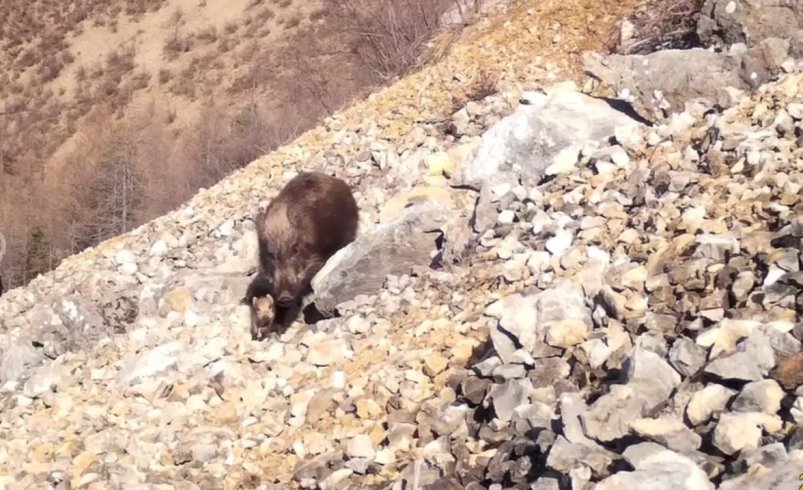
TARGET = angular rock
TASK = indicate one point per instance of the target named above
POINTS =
(45, 378)
(759, 396)
(316, 469)
(724, 22)
(510, 371)
(669, 432)
(649, 383)
(395, 207)
(150, 363)
(789, 372)
(509, 395)
(525, 143)
(462, 11)
(475, 388)
(336, 477)
(777, 477)
(558, 316)
(394, 248)
(660, 323)
(767, 456)
(15, 362)
(657, 468)
(520, 147)
(435, 364)
(400, 436)
(708, 401)
(717, 247)
(361, 446)
(532, 417)
(751, 361)
(686, 356)
(545, 371)
(563, 315)
(737, 431)
(565, 457)
(178, 299)
(517, 326)
(327, 352)
(544, 483)
(487, 367)
(664, 81)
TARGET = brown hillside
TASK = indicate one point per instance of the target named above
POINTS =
(115, 112)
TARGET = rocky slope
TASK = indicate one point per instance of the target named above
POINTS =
(547, 292)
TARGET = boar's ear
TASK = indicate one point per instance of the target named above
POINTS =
(256, 215)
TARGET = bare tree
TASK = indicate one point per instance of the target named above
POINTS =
(3, 248)
(106, 185)
(391, 37)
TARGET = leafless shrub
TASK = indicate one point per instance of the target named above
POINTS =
(164, 76)
(317, 15)
(175, 46)
(207, 35)
(49, 68)
(119, 62)
(230, 28)
(482, 84)
(265, 15)
(139, 81)
(663, 24)
(479, 86)
(392, 35)
(27, 58)
(225, 44)
(293, 21)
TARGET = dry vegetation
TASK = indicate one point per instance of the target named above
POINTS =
(664, 24)
(113, 112)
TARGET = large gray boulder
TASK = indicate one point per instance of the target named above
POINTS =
(525, 143)
(544, 135)
(661, 83)
(749, 21)
(393, 248)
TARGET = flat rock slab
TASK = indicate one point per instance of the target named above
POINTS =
(662, 82)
